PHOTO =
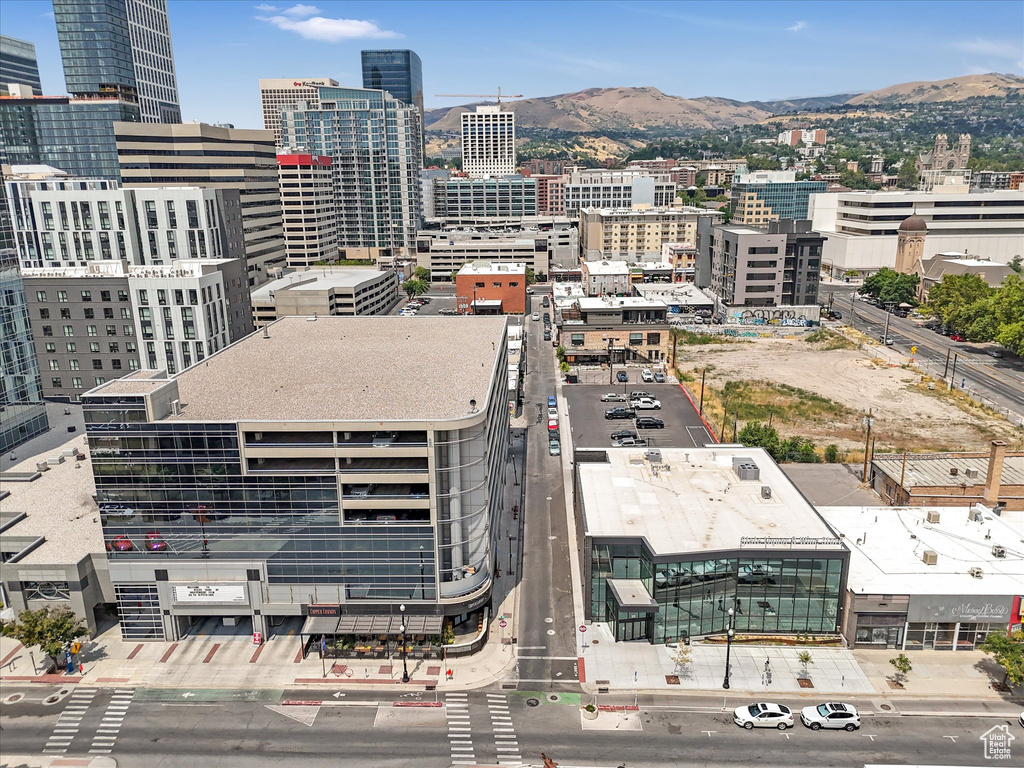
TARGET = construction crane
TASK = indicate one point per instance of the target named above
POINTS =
(497, 95)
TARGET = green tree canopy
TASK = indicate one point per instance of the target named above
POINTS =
(760, 435)
(955, 292)
(907, 176)
(531, 276)
(1007, 650)
(421, 273)
(415, 287)
(51, 629)
(890, 287)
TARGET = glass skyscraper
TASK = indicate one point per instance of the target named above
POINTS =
(120, 48)
(399, 72)
(18, 64)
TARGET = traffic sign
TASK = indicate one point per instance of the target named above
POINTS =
(502, 623)
(257, 638)
(583, 627)
(913, 350)
(76, 647)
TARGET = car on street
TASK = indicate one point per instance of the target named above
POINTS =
(535, 316)
(622, 434)
(554, 448)
(620, 413)
(831, 715)
(613, 397)
(529, 291)
(994, 353)
(764, 715)
(551, 401)
(155, 542)
(647, 375)
(639, 394)
(622, 376)
(1020, 719)
(659, 377)
(547, 317)
(447, 311)
(547, 334)
(120, 544)
(546, 301)
(424, 299)
(887, 340)
(552, 413)
(649, 422)
(957, 337)
(552, 426)
(628, 442)
(646, 404)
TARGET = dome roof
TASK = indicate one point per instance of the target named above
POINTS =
(913, 224)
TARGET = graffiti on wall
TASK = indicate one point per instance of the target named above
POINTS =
(785, 316)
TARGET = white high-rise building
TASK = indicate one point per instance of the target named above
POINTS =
(488, 142)
(286, 93)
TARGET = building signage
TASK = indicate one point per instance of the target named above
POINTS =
(963, 608)
(320, 609)
(206, 593)
(791, 541)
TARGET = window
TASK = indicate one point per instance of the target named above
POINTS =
(97, 364)
(636, 339)
(44, 313)
(128, 330)
(179, 297)
(77, 383)
(115, 364)
(143, 297)
(99, 380)
(104, 295)
(577, 339)
(131, 347)
(90, 330)
(51, 347)
(55, 382)
(653, 339)
(54, 365)
(113, 347)
(69, 330)
(513, 285)
(108, 313)
(133, 364)
(73, 364)
(94, 346)
(40, 295)
(89, 313)
(161, 296)
(151, 221)
(71, 346)
(62, 295)
(126, 313)
(47, 330)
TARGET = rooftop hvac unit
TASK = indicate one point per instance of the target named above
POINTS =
(748, 471)
(933, 516)
(738, 460)
(975, 515)
(929, 557)
(653, 455)
(971, 472)
(954, 471)
(998, 551)
(766, 491)
(976, 572)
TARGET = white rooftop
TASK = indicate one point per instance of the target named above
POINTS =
(674, 293)
(619, 302)
(485, 267)
(568, 290)
(889, 559)
(121, 268)
(606, 267)
(318, 279)
(692, 501)
(641, 212)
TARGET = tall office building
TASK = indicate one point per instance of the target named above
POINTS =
(122, 48)
(400, 73)
(374, 144)
(18, 65)
(286, 93)
(488, 142)
(21, 394)
(199, 155)
(759, 197)
(308, 209)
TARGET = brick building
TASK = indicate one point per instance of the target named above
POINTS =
(491, 288)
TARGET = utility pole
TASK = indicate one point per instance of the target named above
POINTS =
(725, 420)
(885, 333)
(702, 375)
(903, 474)
(946, 369)
(868, 422)
(952, 375)
(734, 418)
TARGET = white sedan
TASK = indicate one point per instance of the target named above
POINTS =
(613, 397)
(831, 715)
(764, 715)
(535, 316)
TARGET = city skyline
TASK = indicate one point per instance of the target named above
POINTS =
(325, 40)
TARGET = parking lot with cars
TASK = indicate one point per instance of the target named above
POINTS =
(680, 425)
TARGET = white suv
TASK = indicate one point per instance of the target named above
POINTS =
(831, 715)
(647, 375)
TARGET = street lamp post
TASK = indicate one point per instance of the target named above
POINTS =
(728, 648)
(405, 649)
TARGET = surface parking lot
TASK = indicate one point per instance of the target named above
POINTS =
(590, 429)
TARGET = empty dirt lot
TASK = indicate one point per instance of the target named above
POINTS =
(847, 383)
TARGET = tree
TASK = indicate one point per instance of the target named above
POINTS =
(757, 434)
(421, 273)
(956, 292)
(890, 287)
(1007, 650)
(1016, 264)
(799, 450)
(681, 657)
(832, 453)
(531, 276)
(907, 176)
(560, 352)
(902, 666)
(51, 629)
(415, 287)
(805, 659)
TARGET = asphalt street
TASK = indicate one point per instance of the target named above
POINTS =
(362, 730)
(1000, 380)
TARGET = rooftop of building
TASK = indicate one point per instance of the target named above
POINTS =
(740, 229)
(937, 469)
(606, 267)
(683, 210)
(693, 500)
(888, 546)
(344, 369)
(34, 171)
(318, 279)
(676, 293)
(958, 264)
(58, 506)
(619, 302)
(485, 267)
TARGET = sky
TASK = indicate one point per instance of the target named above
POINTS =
(738, 50)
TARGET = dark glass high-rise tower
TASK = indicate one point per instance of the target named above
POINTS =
(120, 48)
(18, 64)
(399, 72)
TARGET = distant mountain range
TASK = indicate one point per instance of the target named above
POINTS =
(641, 110)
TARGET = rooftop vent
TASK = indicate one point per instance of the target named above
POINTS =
(749, 471)
(929, 557)
(653, 455)
(766, 491)
(933, 516)
(954, 471)
(998, 551)
(976, 572)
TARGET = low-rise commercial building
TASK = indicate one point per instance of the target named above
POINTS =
(683, 258)
(928, 578)
(931, 271)
(674, 540)
(326, 291)
(489, 288)
(293, 475)
(606, 278)
(539, 243)
(680, 298)
(638, 235)
(613, 329)
(616, 189)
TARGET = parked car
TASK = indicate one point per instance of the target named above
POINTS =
(622, 376)
(552, 413)
(639, 394)
(120, 544)
(447, 311)
(529, 291)
(622, 434)
(672, 577)
(547, 334)
(619, 413)
(659, 377)
(546, 302)
(835, 314)
(547, 317)
(360, 491)
(535, 316)
(155, 542)
(994, 353)
(552, 426)
(551, 401)
(613, 397)
(554, 448)
(957, 337)
(424, 299)
(649, 422)
(831, 715)
(384, 438)
(647, 375)
(628, 442)
(764, 715)
(646, 404)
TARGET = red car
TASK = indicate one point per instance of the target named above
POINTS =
(956, 337)
(120, 544)
(155, 542)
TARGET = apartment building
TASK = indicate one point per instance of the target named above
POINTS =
(614, 329)
(308, 209)
(459, 199)
(300, 492)
(606, 278)
(862, 227)
(537, 167)
(18, 65)
(488, 142)
(550, 195)
(637, 235)
(807, 136)
(326, 291)
(374, 143)
(98, 322)
(61, 222)
(491, 288)
(762, 196)
(616, 189)
(278, 94)
(200, 155)
(992, 179)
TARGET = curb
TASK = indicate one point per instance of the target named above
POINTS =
(431, 704)
(700, 415)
